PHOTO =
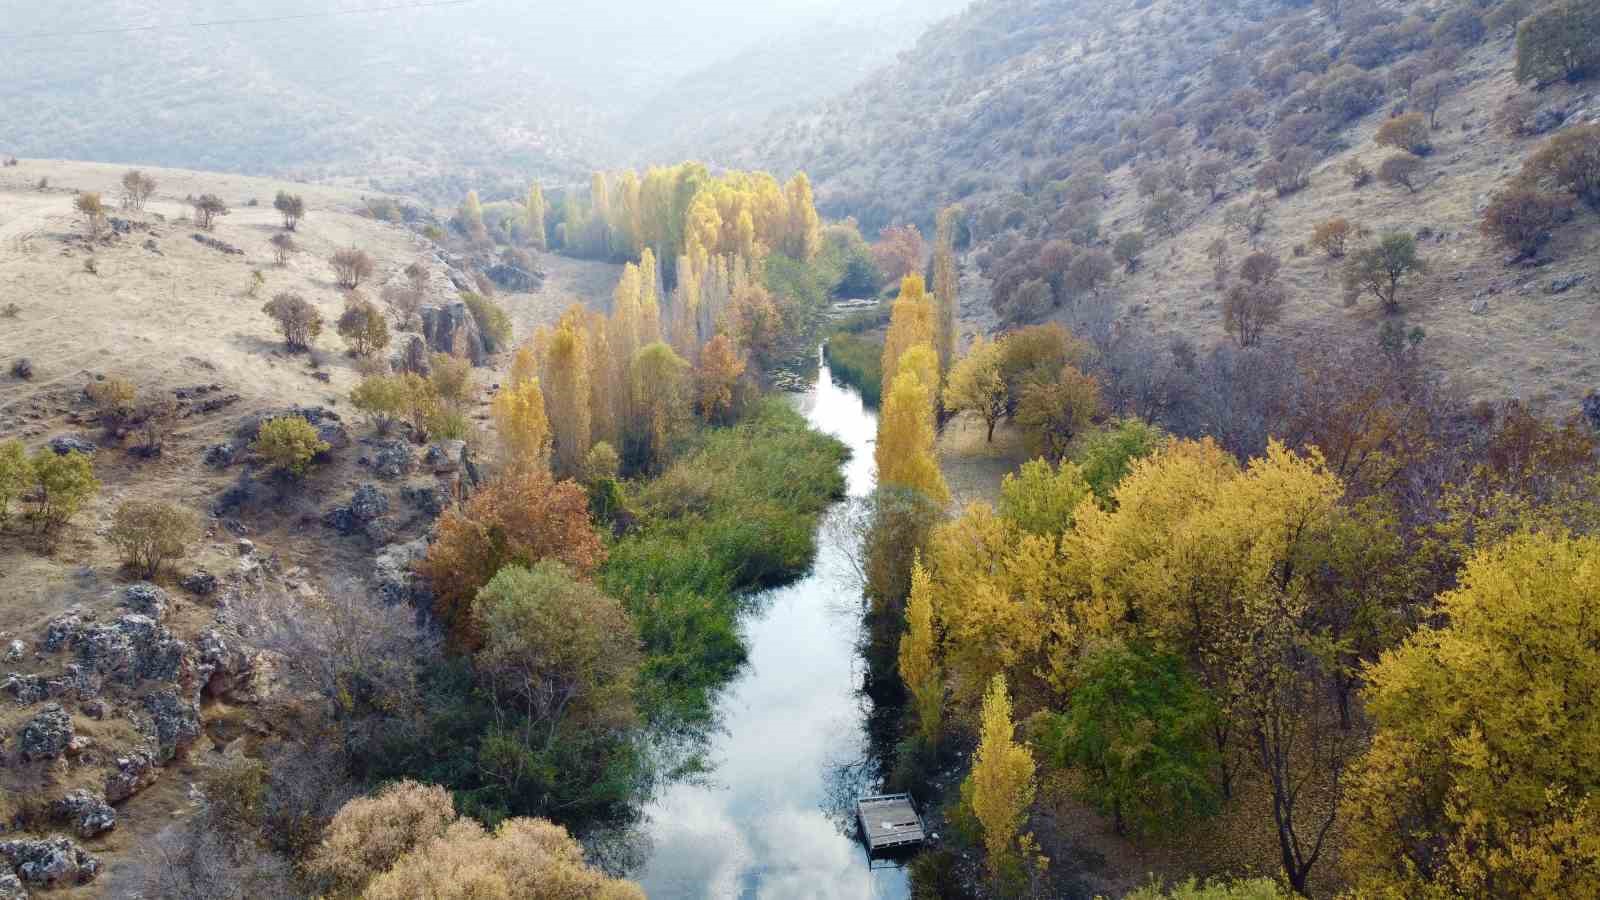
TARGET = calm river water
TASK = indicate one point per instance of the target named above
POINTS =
(772, 819)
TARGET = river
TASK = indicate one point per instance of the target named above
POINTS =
(771, 819)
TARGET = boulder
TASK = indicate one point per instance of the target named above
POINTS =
(27, 689)
(394, 459)
(368, 503)
(88, 815)
(54, 862)
(394, 573)
(46, 735)
(215, 244)
(200, 583)
(450, 328)
(1591, 410)
(147, 600)
(221, 456)
(14, 650)
(11, 887)
(1564, 283)
(23, 368)
(445, 457)
(176, 723)
(512, 278)
(226, 669)
(134, 773)
(72, 443)
(429, 499)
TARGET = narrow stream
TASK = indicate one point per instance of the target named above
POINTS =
(772, 819)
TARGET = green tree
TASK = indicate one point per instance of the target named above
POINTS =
(976, 384)
(1380, 269)
(1560, 41)
(1138, 730)
(150, 533)
(16, 474)
(65, 482)
(1104, 456)
(1040, 498)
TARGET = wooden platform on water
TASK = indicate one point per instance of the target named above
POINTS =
(889, 822)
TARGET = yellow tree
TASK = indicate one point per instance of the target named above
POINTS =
(523, 429)
(977, 384)
(910, 324)
(946, 288)
(715, 379)
(919, 656)
(567, 397)
(649, 303)
(805, 227)
(1000, 786)
(607, 392)
(1482, 775)
(905, 453)
(535, 211)
(661, 386)
(471, 218)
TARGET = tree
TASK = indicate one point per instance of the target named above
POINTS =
(283, 247)
(535, 209)
(288, 445)
(1410, 133)
(150, 533)
(898, 251)
(1259, 268)
(1052, 411)
(946, 289)
(362, 325)
(369, 834)
(1569, 161)
(1001, 781)
(1138, 730)
(1221, 256)
(1332, 237)
(1248, 309)
(1522, 219)
(918, 658)
(63, 484)
(352, 267)
(520, 423)
(715, 378)
(1164, 213)
(559, 652)
(207, 209)
(1428, 95)
(1211, 176)
(663, 394)
(568, 394)
(1381, 267)
(1128, 248)
(93, 211)
(137, 187)
(1401, 169)
(520, 858)
(1249, 219)
(1481, 775)
(976, 385)
(1088, 271)
(298, 321)
(1040, 498)
(292, 207)
(905, 448)
(470, 219)
(384, 398)
(1559, 41)
(911, 322)
(1105, 456)
(16, 475)
(520, 519)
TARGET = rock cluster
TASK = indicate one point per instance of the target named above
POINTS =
(88, 815)
(363, 514)
(213, 243)
(50, 863)
(72, 443)
(450, 328)
(47, 735)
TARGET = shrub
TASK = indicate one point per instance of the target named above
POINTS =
(137, 187)
(362, 325)
(155, 419)
(1349, 93)
(1259, 268)
(292, 207)
(493, 323)
(1052, 411)
(93, 211)
(1461, 27)
(1428, 95)
(1561, 41)
(298, 321)
(1569, 161)
(1521, 219)
(1165, 212)
(1515, 115)
(1249, 219)
(64, 483)
(207, 209)
(1332, 237)
(283, 247)
(386, 399)
(856, 361)
(370, 834)
(113, 401)
(288, 445)
(1381, 267)
(1248, 309)
(1401, 169)
(1360, 175)
(352, 267)
(522, 857)
(150, 533)
(16, 475)
(1408, 132)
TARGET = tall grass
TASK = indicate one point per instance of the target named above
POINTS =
(857, 361)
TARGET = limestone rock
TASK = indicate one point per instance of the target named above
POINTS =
(46, 735)
(394, 459)
(450, 328)
(50, 863)
(176, 723)
(200, 583)
(88, 815)
(146, 599)
(413, 357)
(11, 887)
(226, 669)
(72, 443)
(134, 773)
(394, 573)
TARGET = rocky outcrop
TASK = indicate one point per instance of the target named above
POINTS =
(394, 574)
(11, 887)
(147, 600)
(47, 735)
(134, 773)
(175, 723)
(200, 583)
(54, 862)
(450, 328)
(250, 426)
(88, 815)
(512, 278)
(222, 246)
(226, 669)
(363, 514)
(393, 459)
(413, 357)
(72, 443)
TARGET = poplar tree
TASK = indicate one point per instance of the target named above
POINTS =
(536, 216)
(946, 289)
(568, 395)
(910, 323)
(905, 449)
(522, 426)
(1001, 784)
(918, 658)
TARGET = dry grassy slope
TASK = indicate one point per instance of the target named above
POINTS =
(1528, 343)
(166, 321)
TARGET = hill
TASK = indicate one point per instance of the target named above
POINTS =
(1058, 126)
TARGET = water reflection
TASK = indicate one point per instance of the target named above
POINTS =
(772, 819)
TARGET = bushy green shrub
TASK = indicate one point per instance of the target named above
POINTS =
(858, 362)
(493, 323)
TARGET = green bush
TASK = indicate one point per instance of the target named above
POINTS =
(493, 323)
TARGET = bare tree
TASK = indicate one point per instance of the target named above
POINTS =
(207, 208)
(137, 187)
(352, 266)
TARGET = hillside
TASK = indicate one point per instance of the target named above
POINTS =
(1060, 121)
(175, 318)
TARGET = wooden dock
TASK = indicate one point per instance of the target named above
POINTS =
(889, 822)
